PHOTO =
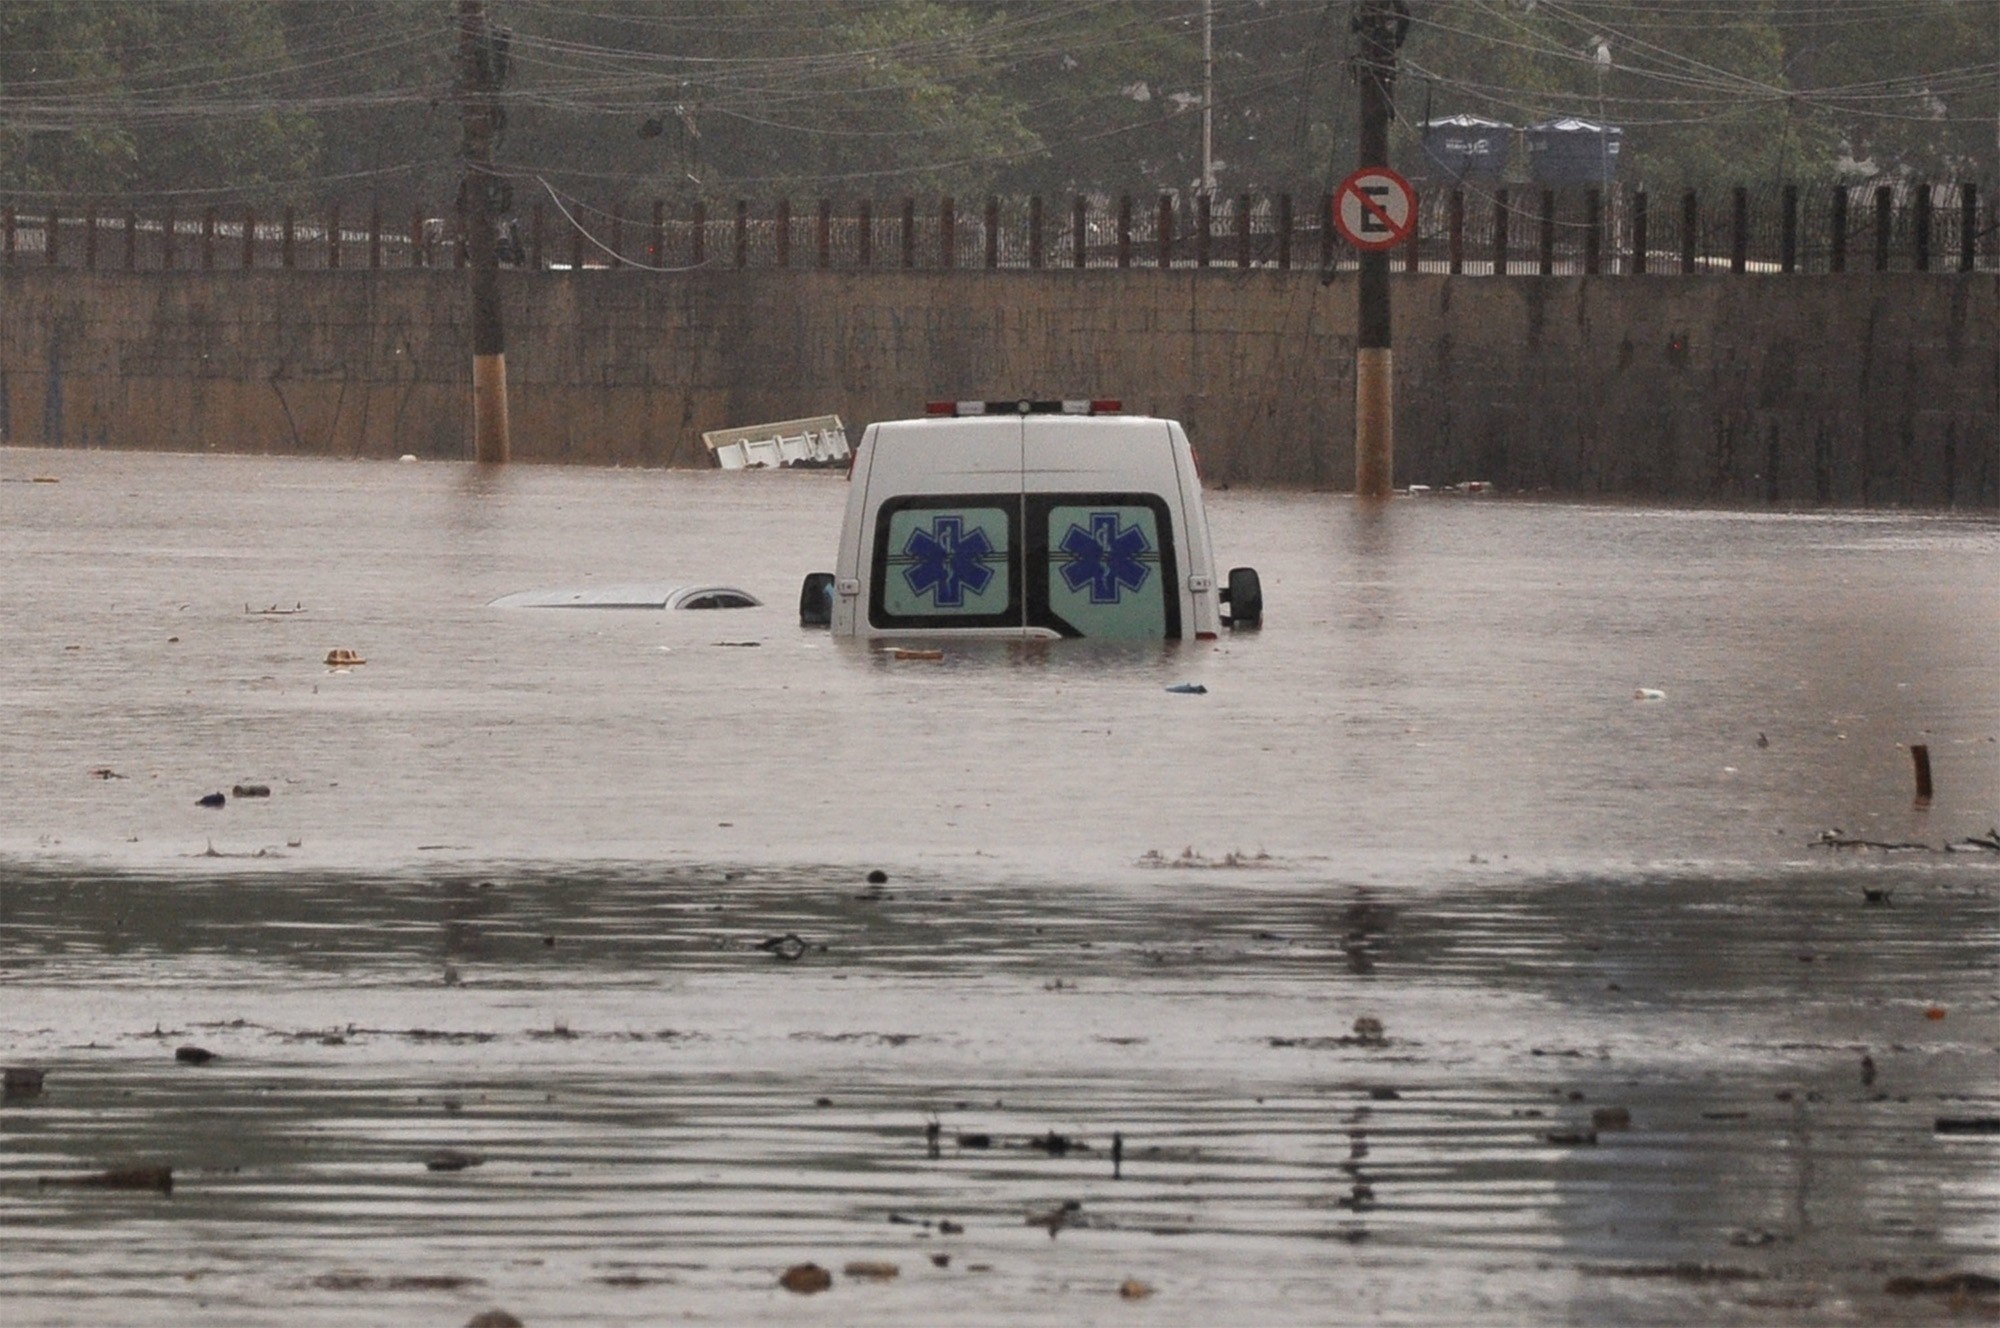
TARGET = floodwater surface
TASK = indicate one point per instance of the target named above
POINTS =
(1491, 943)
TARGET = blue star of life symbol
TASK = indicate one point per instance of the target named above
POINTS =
(1106, 558)
(949, 561)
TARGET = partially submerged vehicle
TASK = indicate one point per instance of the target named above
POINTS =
(1027, 519)
(645, 595)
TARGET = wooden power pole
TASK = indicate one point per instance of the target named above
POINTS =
(1379, 27)
(480, 59)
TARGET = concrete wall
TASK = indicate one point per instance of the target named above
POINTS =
(1838, 389)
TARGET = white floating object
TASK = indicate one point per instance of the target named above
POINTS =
(407, 456)
(819, 440)
(1648, 694)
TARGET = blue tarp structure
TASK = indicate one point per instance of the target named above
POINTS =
(1571, 151)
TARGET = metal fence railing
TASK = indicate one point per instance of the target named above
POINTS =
(1473, 229)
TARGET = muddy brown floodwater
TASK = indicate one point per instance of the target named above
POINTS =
(1469, 953)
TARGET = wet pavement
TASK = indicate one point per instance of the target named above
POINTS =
(1423, 972)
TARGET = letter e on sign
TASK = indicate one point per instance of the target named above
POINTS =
(1375, 208)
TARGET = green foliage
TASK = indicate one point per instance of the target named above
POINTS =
(636, 99)
(124, 96)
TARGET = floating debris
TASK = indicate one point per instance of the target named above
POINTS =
(343, 659)
(160, 1179)
(250, 791)
(870, 1271)
(1065, 1214)
(210, 800)
(789, 948)
(1188, 689)
(193, 1055)
(1949, 1284)
(807, 1279)
(1967, 1125)
(451, 1159)
(1133, 1289)
(21, 1081)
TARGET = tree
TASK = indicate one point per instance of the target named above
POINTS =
(126, 96)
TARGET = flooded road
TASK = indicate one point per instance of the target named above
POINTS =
(1424, 971)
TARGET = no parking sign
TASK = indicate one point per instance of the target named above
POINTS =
(1375, 208)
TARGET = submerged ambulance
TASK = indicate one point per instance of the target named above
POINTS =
(1027, 519)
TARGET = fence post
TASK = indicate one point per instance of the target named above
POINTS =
(909, 232)
(291, 239)
(333, 236)
(375, 235)
(1124, 230)
(1593, 231)
(865, 250)
(131, 240)
(1079, 229)
(1548, 264)
(1411, 252)
(1690, 231)
(1455, 234)
(52, 236)
(90, 237)
(1968, 226)
(167, 237)
(1639, 229)
(575, 246)
(618, 232)
(742, 233)
(1243, 230)
(784, 235)
(1920, 225)
(1284, 232)
(207, 240)
(698, 233)
(1034, 230)
(658, 248)
(1836, 259)
(1326, 250)
(420, 254)
(1885, 218)
(537, 235)
(992, 231)
(250, 239)
(8, 221)
(947, 232)
(1203, 219)
(1163, 232)
(824, 235)
(1739, 229)
(1788, 231)
(1502, 217)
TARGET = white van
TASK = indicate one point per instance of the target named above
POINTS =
(1027, 519)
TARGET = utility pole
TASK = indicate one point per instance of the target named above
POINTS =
(481, 59)
(1379, 27)
(1208, 97)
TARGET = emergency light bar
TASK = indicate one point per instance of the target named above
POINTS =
(1101, 406)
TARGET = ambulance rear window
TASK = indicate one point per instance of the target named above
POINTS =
(947, 562)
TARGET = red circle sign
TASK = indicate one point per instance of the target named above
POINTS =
(1375, 208)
